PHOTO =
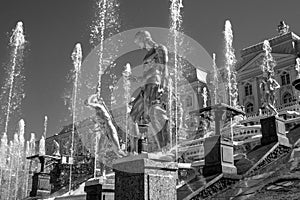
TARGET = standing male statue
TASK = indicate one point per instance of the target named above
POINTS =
(149, 105)
(269, 86)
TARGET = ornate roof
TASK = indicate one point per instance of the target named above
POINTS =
(284, 44)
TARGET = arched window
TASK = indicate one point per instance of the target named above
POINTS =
(287, 98)
(249, 108)
(285, 78)
(189, 101)
(248, 89)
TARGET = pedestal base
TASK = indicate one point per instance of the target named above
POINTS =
(141, 178)
(40, 185)
(218, 157)
(273, 130)
(97, 190)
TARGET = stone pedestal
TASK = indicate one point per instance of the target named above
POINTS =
(218, 157)
(97, 189)
(40, 185)
(273, 130)
(144, 177)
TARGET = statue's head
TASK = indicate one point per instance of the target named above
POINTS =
(143, 39)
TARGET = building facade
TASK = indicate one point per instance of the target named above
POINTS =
(285, 51)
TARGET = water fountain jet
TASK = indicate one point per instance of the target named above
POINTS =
(17, 42)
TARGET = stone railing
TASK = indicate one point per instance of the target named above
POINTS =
(292, 106)
(289, 106)
(243, 131)
(247, 130)
(256, 115)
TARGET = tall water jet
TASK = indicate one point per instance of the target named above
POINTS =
(204, 96)
(17, 43)
(126, 83)
(32, 149)
(26, 170)
(97, 34)
(9, 166)
(20, 155)
(105, 24)
(4, 154)
(268, 63)
(77, 60)
(175, 27)
(214, 82)
(13, 163)
(102, 28)
(45, 126)
(268, 83)
(170, 101)
(230, 61)
(42, 149)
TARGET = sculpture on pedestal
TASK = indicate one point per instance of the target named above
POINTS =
(150, 105)
(268, 85)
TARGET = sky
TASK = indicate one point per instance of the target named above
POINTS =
(53, 27)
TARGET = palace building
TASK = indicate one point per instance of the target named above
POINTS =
(285, 50)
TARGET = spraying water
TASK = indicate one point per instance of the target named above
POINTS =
(45, 126)
(10, 166)
(126, 74)
(215, 81)
(13, 162)
(268, 60)
(268, 84)
(175, 27)
(20, 153)
(230, 61)
(32, 144)
(26, 170)
(4, 154)
(42, 150)
(77, 60)
(98, 32)
(204, 95)
(32, 166)
(17, 41)
(105, 23)
(170, 99)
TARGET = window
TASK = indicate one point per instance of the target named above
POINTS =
(249, 108)
(287, 98)
(189, 101)
(285, 78)
(248, 89)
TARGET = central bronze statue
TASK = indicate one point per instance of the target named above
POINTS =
(150, 103)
